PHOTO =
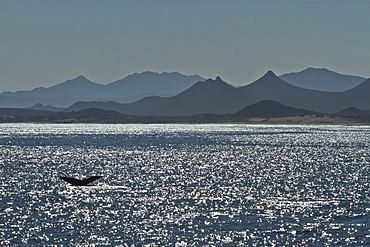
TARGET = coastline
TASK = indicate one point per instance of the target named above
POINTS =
(294, 120)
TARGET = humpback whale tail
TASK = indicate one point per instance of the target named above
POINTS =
(78, 182)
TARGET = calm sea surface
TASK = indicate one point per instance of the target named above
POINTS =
(185, 185)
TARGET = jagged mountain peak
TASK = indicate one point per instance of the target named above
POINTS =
(78, 79)
(217, 79)
(213, 83)
(268, 81)
(270, 73)
(81, 77)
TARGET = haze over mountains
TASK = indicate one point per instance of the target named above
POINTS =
(322, 80)
(128, 89)
(218, 97)
(192, 95)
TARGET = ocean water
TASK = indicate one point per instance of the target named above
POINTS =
(185, 185)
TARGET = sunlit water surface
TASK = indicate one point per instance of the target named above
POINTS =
(184, 185)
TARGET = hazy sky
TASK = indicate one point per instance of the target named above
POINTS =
(45, 42)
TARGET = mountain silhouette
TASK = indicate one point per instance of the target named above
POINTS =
(357, 96)
(271, 87)
(128, 89)
(41, 107)
(60, 95)
(270, 108)
(138, 86)
(322, 80)
(210, 96)
(218, 97)
(352, 112)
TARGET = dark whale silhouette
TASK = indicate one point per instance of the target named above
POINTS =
(78, 182)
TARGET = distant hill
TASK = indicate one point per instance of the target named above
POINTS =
(128, 89)
(322, 80)
(218, 97)
(352, 112)
(41, 107)
(60, 95)
(20, 115)
(271, 108)
(264, 112)
(91, 115)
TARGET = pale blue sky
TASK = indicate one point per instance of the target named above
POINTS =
(45, 42)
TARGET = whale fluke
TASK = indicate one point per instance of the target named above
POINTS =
(78, 182)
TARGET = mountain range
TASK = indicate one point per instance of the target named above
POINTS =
(128, 89)
(322, 79)
(218, 97)
(180, 95)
